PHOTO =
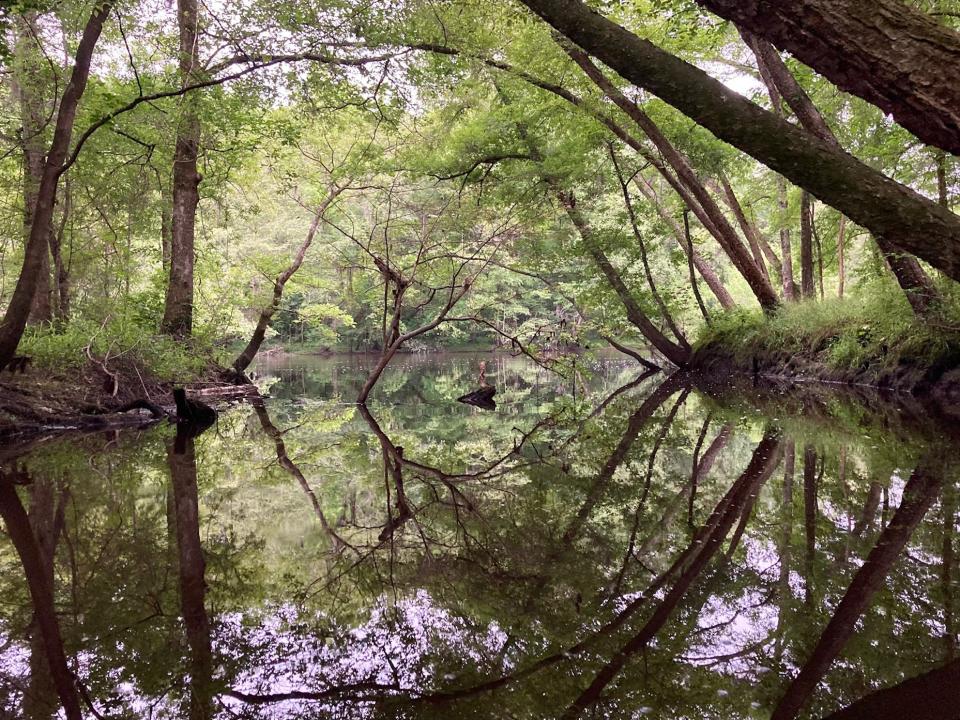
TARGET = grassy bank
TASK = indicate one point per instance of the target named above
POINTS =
(874, 338)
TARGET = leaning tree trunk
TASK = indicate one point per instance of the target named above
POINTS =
(178, 306)
(885, 51)
(250, 351)
(726, 235)
(865, 195)
(919, 289)
(15, 319)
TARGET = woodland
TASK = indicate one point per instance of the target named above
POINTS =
(455, 359)
(693, 183)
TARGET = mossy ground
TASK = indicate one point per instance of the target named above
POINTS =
(875, 330)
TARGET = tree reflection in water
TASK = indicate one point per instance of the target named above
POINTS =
(643, 549)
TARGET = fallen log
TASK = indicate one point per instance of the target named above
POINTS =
(481, 398)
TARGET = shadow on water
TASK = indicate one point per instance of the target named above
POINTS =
(650, 545)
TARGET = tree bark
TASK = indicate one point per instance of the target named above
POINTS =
(884, 51)
(883, 206)
(15, 319)
(841, 256)
(178, 306)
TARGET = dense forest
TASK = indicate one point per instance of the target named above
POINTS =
(185, 185)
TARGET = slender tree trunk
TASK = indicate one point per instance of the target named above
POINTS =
(790, 290)
(806, 247)
(670, 350)
(178, 307)
(865, 195)
(29, 83)
(841, 256)
(703, 266)
(15, 319)
(885, 51)
(748, 230)
(250, 351)
(61, 272)
(727, 237)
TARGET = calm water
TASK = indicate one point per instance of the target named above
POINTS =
(597, 547)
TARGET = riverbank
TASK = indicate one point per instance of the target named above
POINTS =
(89, 397)
(838, 342)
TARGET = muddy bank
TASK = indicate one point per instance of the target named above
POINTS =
(39, 402)
(938, 382)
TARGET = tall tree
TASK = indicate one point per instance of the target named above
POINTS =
(15, 319)
(178, 307)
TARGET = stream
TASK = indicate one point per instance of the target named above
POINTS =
(605, 545)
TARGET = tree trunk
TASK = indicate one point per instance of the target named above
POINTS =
(61, 273)
(250, 351)
(15, 319)
(670, 350)
(806, 247)
(790, 290)
(918, 288)
(28, 83)
(178, 306)
(865, 195)
(841, 256)
(884, 51)
(727, 237)
(748, 230)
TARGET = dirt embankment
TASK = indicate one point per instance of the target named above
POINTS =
(40, 401)
(938, 382)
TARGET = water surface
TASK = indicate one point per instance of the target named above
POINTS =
(602, 545)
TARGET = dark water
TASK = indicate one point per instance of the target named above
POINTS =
(609, 547)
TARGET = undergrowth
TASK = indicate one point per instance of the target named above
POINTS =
(875, 328)
(120, 344)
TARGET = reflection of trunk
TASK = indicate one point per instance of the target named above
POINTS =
(784, 594)
(946, 571)
(35, 568)
(809, 518)
(762, 464)
(192, 566)
(178, 305)
(292, 469)
(686, 493)
(869, 509)
(918, 494)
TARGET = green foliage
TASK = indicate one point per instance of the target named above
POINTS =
(876, 328)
